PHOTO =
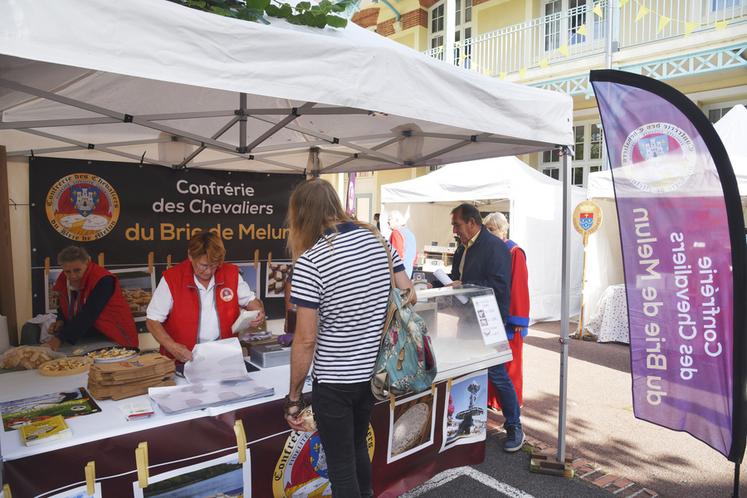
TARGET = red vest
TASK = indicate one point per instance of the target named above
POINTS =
(183, 322)
(115, 320)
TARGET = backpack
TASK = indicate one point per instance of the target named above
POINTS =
(405, 363)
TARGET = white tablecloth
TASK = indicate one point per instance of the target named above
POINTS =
(609, 322)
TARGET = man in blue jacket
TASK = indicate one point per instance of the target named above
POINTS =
(484, 259)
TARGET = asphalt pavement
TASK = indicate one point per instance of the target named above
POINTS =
(503, 474)
(601, 429)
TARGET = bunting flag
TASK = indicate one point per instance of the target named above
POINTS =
(623, 3)
(642, 12)
(581, 30)
(690, 27)
(663, 23)
(719, 25)
(502, 75)
(598, 10)
(682, 240)
(522, 73)
(563, 49)
(544, 63)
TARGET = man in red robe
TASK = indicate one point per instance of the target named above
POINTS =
(518, 309)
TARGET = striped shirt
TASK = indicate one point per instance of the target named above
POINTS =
(345, 275)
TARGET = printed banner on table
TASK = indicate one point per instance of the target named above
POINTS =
(125, 211)
(681, 230)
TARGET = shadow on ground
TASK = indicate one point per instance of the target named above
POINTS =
(607, 354)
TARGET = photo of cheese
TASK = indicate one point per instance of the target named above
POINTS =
(411, 425)
(410, 428)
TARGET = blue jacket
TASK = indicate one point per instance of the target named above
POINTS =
(488, 264)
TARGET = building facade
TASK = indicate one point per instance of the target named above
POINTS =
(697, 46)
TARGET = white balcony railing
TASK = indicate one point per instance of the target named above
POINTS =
(582, 31)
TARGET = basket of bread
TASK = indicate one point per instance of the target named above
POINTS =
(27, 357)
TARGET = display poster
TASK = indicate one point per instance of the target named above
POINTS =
(465, 418)
(412, 423)
(124, 212)
(20, 412)
(301, 469)
(489, 319)
(224, 476)
(681, 230)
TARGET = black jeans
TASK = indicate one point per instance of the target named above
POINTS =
(342, 413)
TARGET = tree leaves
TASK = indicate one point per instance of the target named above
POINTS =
(304, 13)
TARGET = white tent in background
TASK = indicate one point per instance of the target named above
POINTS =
(502, 184)
(603, 256)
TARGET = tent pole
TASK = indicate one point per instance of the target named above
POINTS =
(735, 491)
(242, 123)
(564, 302)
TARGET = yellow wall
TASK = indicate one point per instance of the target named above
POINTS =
(390, 176)
(498, 14)
(407, 38)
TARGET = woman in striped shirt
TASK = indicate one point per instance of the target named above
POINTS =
(340, 285)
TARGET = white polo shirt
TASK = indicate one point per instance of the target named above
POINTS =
(209, 328)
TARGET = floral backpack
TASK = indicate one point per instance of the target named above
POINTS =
(405, 363)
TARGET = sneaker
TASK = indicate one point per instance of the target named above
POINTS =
(514, 439)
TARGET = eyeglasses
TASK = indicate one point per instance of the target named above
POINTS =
(203, 267)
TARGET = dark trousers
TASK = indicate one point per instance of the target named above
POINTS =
(342, 413)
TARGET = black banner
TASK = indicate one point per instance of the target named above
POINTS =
(125, 211)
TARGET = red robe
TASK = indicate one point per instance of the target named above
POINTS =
(518, 316)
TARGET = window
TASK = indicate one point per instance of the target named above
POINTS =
(717, 5)
(717, 111)
(578, 132)
(589, 144)
(596, 141)
(553, 11)
(576, 18)
(463, 34)
(437, 25)
(552, 172)
(551, 156)
(563, 18)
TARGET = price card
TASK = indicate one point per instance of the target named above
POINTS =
(489, 318)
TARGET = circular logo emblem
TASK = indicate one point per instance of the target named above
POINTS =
(302, 467)
(82, 207)
(658, 157)
(226, 294)
(587, 217)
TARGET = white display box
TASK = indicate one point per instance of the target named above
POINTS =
(455, 331)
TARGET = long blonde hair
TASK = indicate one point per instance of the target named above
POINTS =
(314, 208)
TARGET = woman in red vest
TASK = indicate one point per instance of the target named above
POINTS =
(91, 302)
(199, 299)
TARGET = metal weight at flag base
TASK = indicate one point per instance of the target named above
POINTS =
(681, 233)
(587, 218)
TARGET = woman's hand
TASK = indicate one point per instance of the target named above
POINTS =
(258, 321)
(292, 410)
(179, 352)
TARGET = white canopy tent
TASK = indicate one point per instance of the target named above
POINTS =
(603, 256)
(101, 80)
(123, 76)
(501, 184)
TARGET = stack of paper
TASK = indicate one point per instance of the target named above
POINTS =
(216, 375)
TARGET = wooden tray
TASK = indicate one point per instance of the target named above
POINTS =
(61, 367)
